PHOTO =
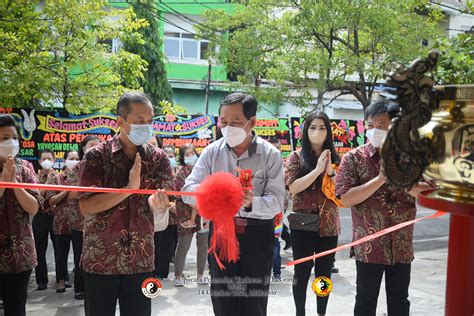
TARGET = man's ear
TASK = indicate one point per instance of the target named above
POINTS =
(253, 122)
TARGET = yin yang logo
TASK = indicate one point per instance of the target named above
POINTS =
(322, 286)
(151, 287)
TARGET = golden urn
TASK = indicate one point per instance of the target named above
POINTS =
(433, 136)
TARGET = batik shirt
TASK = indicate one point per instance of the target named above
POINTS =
(17, 246)
(43, 177)
(183, 210)
(312, 199)
(67, 215)
(385, 208)
(120, 240)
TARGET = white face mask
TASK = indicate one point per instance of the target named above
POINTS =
(317, 138)
(173, 163)
(9, 147)
(191, 160)
(47, 164)
(234, 136)
(376, 136)
(140, 133)
(70, 164)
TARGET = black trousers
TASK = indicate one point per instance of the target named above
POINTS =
(102, 292)
(42, 227)
(63, 244)
(306, 243)
(77, 237)
(285, 235)
(14, 287)
(165, 248)
(242, 288)
(397, 281)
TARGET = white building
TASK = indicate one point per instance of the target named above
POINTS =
(455, 21)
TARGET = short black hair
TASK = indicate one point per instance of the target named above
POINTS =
(84, 142)
(8, 120)
(46, 151)
(381, 107)
(129, 98)
(249, 103)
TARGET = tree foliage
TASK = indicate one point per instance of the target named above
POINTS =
(59, 52)
(456, 65)
(154, 82)
(332, 45)
(166, 107)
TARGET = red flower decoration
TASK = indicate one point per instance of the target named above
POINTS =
(170, 118)
(245, 176)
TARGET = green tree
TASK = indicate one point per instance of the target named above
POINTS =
(67, 57)
(154, 82)
(456, 64)
(22, 55)
(325, 46)
(166, 107)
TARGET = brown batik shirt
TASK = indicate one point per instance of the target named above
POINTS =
(17, 246)
(183, 210)
(120, 240)
(43, 177)
(312, 199)
(385, 208)
(67, 216)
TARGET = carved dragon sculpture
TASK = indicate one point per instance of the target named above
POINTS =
(405, 154)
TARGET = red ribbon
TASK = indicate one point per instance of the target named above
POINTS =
(222, 233)
(366, 238)
(14, 185)
(223, 239)
(36, 186)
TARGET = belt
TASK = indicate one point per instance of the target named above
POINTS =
(307, 211)
(242, 221)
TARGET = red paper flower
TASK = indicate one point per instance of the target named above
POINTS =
(245, 176)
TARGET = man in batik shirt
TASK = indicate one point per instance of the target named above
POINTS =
(375, 206)
(118, 248)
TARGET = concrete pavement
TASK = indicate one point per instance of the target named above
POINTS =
(428, 280)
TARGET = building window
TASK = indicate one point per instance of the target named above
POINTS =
(113, 45)
(203, 49)
(117, 44)
(185, 46)
(172, 48)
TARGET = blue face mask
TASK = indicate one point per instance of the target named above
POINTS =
(191, 160)
(140, 133)
(173, 163)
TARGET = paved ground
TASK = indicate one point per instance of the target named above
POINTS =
(427, 287)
